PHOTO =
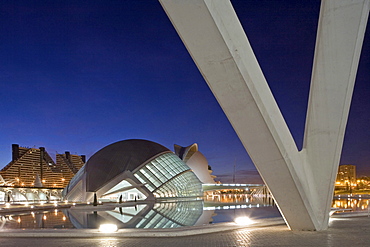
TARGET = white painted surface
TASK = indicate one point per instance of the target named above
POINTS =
(301, 182)
(199, 164)
(339, 41)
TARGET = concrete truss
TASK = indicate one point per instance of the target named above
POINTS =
(301, 181)
(29, 194)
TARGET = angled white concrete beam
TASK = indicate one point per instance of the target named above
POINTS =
(340, 35)
(215, 39)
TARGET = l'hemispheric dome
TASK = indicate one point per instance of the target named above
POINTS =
(118, 157)
(133, 169)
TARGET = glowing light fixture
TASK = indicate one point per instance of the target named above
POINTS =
(243, 221)
(107, 228)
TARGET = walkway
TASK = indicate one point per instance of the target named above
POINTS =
(346, 231)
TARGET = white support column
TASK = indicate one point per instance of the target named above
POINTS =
(340, 35)
(216, 41)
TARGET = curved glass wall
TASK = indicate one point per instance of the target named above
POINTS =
(168, 176)
(184, 185)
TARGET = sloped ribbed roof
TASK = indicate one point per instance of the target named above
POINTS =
(118, 157)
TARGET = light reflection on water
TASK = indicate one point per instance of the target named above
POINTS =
(34, 220)
(227, 207)
(159, 215)
(152, 215)
(352, 204)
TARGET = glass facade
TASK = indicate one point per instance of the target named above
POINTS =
(168, 176)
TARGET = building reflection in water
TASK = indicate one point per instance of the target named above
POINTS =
(152, 215)
(158, 215)
(35, 220)
(352, 204)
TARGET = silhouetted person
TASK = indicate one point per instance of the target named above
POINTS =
(95, 200)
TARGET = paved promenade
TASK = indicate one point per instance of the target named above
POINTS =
(344, 231)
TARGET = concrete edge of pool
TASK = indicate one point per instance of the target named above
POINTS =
(134, 232)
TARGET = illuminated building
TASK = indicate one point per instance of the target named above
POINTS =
(197, 162)
(346, 176)
(133, 170)
(33, 167)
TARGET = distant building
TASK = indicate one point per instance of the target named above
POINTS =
(33, 167)
(346, 176)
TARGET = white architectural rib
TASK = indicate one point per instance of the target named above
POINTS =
(216, 41)
(339, 40)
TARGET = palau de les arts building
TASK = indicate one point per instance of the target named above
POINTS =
(140, 170)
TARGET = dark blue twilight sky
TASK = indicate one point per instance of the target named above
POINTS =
(79, 75)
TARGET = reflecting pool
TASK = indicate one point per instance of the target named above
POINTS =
(36, 219)
(165, 214)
